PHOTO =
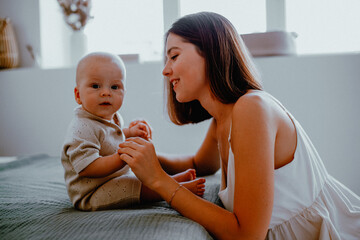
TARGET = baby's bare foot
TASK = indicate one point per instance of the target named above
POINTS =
(185, 176)
(196, 186)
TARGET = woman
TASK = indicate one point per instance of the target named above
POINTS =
(274, 184)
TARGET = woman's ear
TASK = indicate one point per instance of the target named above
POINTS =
(77, 95)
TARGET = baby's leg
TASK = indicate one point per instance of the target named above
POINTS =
(185, 176)
(119, 192)
(196, 186)
(188, 180)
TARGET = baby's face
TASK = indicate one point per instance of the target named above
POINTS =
(100, 89)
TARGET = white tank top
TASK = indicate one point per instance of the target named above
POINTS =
(296, 185)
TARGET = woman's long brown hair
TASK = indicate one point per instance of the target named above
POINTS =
(228, 65)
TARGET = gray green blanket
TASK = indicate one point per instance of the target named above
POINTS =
(34, 205)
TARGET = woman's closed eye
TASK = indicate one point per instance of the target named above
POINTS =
(174, 57)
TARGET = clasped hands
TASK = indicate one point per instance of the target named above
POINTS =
(139, 153)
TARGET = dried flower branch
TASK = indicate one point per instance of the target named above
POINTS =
(31, 51)
(76, 12)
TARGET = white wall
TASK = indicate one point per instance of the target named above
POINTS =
(37, 105)
(320, 91)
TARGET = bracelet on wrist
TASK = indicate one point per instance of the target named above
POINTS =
(174, 193)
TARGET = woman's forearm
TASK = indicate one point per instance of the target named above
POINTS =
(141, 157)
(173, 164)
(205, 161)
(218, 221)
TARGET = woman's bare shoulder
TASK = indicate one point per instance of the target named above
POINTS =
(253, 102)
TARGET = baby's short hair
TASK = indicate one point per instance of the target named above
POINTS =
(105, 55)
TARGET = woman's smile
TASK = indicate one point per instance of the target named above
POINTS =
(174, 82)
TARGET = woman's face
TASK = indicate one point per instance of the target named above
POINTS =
(185, 69)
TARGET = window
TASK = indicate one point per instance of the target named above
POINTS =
(127, 27)
(246, 16)
(137, 26)
(324, 26)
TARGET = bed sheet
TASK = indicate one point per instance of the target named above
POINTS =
(34, 205)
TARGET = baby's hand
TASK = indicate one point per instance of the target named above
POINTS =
(140, 128)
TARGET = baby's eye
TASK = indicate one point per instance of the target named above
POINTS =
(96, 86)
(115, 87)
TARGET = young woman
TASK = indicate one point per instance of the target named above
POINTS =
(274, 183)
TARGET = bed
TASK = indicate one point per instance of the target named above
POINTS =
(34, 205)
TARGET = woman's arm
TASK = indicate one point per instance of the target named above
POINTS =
(253, 136)
(252, 139)
(206, 161)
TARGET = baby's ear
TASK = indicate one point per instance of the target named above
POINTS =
(77, 95)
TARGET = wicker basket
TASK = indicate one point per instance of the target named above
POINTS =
(9, 51)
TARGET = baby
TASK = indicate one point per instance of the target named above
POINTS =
(95, 176)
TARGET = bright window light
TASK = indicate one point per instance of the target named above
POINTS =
(137, 27)
(246, 16)
(324, 26)
(127, 27)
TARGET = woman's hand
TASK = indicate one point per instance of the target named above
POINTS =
(140, 155)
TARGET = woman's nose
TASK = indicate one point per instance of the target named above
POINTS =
(167, 70)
